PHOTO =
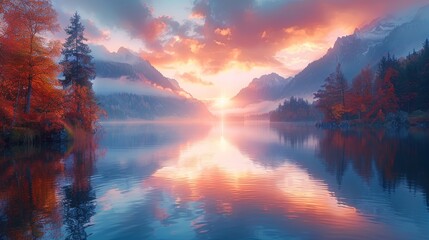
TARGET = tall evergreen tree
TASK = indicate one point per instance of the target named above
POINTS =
(82, 110)
(77, 64)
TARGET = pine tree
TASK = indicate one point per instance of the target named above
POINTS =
(77, 63)
(82, 110)
(424, 78)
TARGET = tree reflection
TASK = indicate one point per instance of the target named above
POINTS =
(28, 194)
(79, 197)
(394, 157)
(31, 196)
(294, 134)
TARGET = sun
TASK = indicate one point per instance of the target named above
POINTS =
(221, 102)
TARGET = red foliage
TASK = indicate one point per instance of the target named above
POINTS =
(81, 109)
(359, 98)
(30, 93)
(385, 100)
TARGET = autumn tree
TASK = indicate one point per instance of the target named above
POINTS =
(331, 99)
(78, 70)
(399, 85)
(359, 97)
(29, 71)
(385, 100)
(28, 20)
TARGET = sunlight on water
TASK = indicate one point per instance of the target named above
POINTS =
(215, 167)
(221, 181)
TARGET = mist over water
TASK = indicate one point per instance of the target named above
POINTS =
(219, 181)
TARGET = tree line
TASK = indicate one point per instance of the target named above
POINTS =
(294, 109)
(397, 85)
(32, 96)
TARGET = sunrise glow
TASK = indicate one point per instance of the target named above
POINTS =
(200, 61)
(290, 186)
(222, 102)
(214, 119)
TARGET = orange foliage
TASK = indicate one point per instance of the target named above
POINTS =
(30, 93)
(360, 97)
(29, 90)
(337, 112)
(82, 109)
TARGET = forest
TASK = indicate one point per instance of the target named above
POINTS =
(295, 109)
(395, 91)
(41, 99)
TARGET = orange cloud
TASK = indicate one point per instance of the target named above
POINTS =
(221, 32)
(257, 32)
(192, 78)
(226, 32)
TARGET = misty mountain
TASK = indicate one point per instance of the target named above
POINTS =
(129, 87)
(265, 88)
(126, 63)
(397, 35)
(135, 106)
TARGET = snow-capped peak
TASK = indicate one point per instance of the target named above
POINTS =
(380, 28)
(268, 80)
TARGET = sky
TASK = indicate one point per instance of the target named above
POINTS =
(213, 48)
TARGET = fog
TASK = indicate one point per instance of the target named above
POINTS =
(104, 86)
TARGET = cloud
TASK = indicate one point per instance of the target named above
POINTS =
(224, 32)
(253, 32)
(92, 32)
(133, 16)
(192, 78)
(104, 86)
(252, 109)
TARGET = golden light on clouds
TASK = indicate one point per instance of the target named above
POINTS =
(214, 38)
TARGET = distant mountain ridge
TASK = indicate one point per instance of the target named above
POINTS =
(129, 87)
(397, 34)
(265, 88)
(135, 106)
(126, 63)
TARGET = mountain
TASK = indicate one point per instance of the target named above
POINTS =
(126, 63)
(265, 88)
(129, 87)
(398, 35)
(137, 106)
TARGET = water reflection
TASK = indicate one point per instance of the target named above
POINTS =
(43, 187)
(28, 193)
(78, 202)
(392, 157)
(242, 181)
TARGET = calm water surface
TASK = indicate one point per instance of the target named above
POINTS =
(237, 181)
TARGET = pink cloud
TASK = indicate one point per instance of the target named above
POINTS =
(192, 78)
(247, 31)
(253, 33)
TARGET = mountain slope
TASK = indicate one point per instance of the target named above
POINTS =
(397, 36)
(128, 87)
(265, 88)
(136, 106)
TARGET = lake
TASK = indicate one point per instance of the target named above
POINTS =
(219, 181)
